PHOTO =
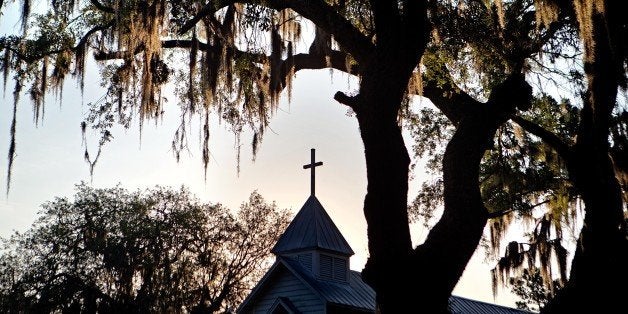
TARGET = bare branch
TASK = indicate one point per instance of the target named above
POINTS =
(349, 101)
(175, 43)
(415, 24)
(509, 210)
(387, 21)
(336, 59)
(209, 8)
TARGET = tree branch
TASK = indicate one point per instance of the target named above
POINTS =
(328, 19)
(175, 43)
(319, 12)
(349, 101)
(562, 148)
(210, 8)
(416, 24)
(102, 7)
(452, 101)
(387, 22)
(336, 59)
(509, 210)
(32, 58)
(85, 37)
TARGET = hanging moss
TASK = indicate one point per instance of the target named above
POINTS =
(228, 68)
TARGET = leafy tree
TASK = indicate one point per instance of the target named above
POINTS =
(230, 70)
(531, 289)
(602, 250)
(160, 250)
(502, 174)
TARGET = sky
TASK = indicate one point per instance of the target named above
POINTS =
(50, 162)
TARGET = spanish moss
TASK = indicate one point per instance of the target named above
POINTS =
(12, 145)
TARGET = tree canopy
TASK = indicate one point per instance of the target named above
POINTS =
(543, 168)
(159, 250)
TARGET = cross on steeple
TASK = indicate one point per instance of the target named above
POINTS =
(313, 164)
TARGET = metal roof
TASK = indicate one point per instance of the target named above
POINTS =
(358, 295)
(355, 293)
(460, 305)
(312, 228)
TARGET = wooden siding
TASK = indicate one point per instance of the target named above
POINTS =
(285, 284)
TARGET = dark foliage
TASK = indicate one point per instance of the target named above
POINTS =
(115, 251)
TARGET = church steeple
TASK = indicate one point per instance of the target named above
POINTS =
(312, 228)
(313, 239)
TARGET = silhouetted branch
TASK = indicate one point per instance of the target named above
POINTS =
(209, 8)
(452, 101)
(319, 12)
(82, 42)
(548, 137)
(349, 101)
(337, 60)
(102, 7)
(507, 211)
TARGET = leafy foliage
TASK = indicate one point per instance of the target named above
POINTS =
(530, 288)
(161, 250)
(523, 179)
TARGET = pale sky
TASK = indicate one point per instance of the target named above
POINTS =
(50, 161)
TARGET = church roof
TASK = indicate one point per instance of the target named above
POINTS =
(460, 305)
(312, 228)
(357, 294)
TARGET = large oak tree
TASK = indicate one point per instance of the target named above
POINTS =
(602, 250)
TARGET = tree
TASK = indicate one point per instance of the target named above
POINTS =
(160, 250)
(604, 62)
(603, 246)
(230, 72)
(531, 289)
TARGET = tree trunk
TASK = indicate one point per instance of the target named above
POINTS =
(385, 204)
(440, 261)
(442, 258)
(600, 264)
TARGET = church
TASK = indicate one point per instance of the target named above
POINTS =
(311, 272)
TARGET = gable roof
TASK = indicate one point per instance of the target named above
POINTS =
(358, 295)
(355, 294)
(312, 228)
